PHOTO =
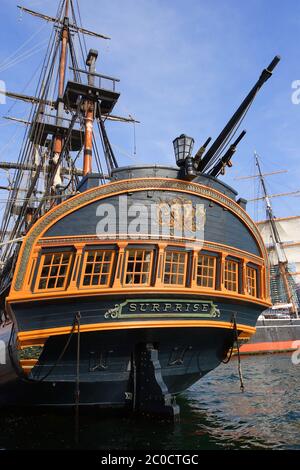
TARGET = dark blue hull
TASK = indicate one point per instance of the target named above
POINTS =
(108, 363)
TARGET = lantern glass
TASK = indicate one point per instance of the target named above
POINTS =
(183, 147)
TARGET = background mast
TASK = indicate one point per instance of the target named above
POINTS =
(280, 253)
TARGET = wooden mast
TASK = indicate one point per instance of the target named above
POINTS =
(89, 116)
(63, 56)
(58, 140)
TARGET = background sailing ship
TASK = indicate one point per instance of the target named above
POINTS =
(101, 318)
(278, 328)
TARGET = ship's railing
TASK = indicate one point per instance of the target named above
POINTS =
(101, 80)
(45, 117)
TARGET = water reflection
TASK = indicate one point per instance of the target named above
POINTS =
(214, 415)
(266, 415)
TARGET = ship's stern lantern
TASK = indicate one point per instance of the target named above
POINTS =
(183, 147)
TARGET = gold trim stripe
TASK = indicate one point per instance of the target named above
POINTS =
(108, 292)
(38, 334)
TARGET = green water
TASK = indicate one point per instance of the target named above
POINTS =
(214, 415)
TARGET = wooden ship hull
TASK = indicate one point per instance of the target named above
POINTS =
(113, 375)
(118, 289)
(147, 330)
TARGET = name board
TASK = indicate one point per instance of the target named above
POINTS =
(149, 308)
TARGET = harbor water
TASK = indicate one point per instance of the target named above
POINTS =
(215, 414)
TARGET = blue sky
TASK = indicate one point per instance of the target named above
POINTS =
(184, 67)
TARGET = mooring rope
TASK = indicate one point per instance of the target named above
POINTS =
(226, 361)
(239, 356)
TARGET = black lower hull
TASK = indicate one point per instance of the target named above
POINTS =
(115, 366)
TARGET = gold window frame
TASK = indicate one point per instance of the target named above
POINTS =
(253, 281)
(140, 273)
(230, 272)
(206, 277)
(83, 273)
(177, 274)
(42, 265)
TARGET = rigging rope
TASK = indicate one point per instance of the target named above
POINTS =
(64, 149)
(13, 56)
(31, 147)
(34, 50)
(27, 146)
(30, 181)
